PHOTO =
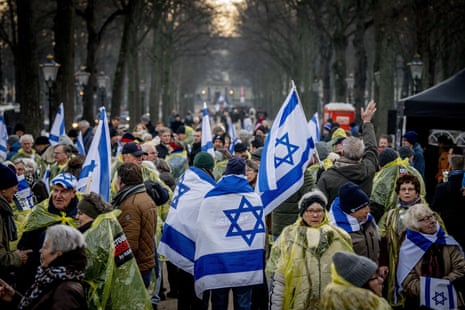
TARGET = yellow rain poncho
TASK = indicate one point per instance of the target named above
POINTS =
(112, 273)
(300, 263)
(342, 295)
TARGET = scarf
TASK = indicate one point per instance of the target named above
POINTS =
(125, 192)
(408, 204)
(46, 279)
(346, 221)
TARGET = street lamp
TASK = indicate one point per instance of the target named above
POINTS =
(416, 70)
(102, 83)
(50, 70)
(350, 86)
(82, 77)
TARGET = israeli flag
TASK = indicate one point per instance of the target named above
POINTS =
(437, 294)
(58, 128)
(232, 133)
(207, 143)
(95, 173)
(3, 137)
(314, 125)
(231, 237)
(46, 178)
(180, 229)
(286, 154)
(80, 144)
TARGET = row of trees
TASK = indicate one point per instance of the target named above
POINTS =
(172, 45)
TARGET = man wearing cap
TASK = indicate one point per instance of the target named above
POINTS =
(138, 216)
(240, 150)
(132, 153)
(218, 142)
(60, 208)
(358, 163)
(351, 212)
(410, 139)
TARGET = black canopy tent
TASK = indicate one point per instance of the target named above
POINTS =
(439, 107)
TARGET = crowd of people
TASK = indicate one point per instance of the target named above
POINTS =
(360, 233)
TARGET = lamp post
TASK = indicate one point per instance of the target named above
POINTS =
(102, 83)
(50, 70)
(82, 77)
(416, 70)
(350, 86)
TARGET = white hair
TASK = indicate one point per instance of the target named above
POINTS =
(64, 238)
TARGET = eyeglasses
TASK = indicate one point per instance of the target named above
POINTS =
(311, 211)
(427, 218)
(407, 189)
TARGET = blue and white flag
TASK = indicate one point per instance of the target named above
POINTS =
(180, 230)
(437, 294)
(3, 137)
(46, 178)
(80, 144)
(314, 125)
(58, 128)
(231, 237)
(338, 217)
(232, 133)
(286, 154)
(207, 143)
(95, 173)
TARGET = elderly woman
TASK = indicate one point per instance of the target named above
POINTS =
(59, 280)
(112, 269)
(429, 252)
(356, 284)
(300, 258)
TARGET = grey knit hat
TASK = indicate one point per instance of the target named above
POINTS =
(354, 268)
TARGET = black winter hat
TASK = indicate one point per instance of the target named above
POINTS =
(235, 165)
(387, 155)
(352, 198)
(8, 178)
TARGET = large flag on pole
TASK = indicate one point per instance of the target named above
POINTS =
(207, 143)
(180, 230)
(95, 173)
(58, 128)
(3, 137)
(285, 155)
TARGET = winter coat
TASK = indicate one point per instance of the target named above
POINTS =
(139, 220)
(7, 234)
(67, 295)
(300, 263)
(345, 170)
(287, 212)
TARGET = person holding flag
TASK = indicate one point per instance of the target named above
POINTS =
(230, 240)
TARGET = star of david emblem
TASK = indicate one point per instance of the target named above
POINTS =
(181, 190)
(439, 298)
(245, 209)
(291, 149)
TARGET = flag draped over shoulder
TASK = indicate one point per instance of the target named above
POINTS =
(286, 153)
(80, 144)
(95, 173)
(3, 137)
(58, 127)
(231, 237)
(180, 229)
(207, 143)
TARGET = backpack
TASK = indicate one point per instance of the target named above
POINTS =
(158, 193)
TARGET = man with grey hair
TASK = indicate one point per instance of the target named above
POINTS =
(87, 133)
(27, 150)
(358, 163)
